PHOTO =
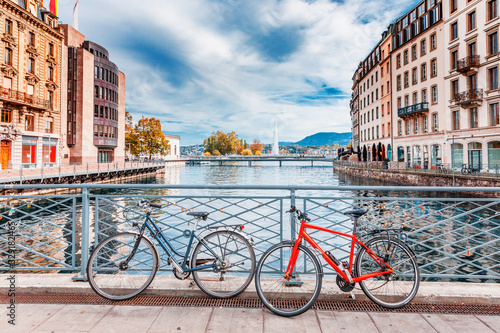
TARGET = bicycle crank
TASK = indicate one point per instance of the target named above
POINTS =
(344, 285)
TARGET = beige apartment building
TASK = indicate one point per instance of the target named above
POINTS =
(445, 95)
(354, 106)
(418, 86)
(472, 63)
(30, 91)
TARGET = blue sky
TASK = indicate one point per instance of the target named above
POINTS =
(232, 65)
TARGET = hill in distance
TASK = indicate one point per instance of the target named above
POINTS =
(322, 139)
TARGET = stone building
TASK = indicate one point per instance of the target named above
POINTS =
(94, 118)
(30, 81)
(445, 95)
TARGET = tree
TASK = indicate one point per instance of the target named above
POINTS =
(151, 138)
(256, 146)
(223, 143)
(131, 139)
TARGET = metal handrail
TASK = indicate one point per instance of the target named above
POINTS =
(424, 106)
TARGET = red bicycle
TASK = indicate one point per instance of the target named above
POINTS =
(288, 277)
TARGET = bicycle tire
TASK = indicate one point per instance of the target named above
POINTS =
(394, 290)
(282, 299)
(235, 253)
(116, 283)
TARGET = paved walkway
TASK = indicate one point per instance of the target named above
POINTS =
(114, 318)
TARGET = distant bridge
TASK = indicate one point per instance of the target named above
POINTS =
(193, 160)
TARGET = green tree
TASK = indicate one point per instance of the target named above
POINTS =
(151, 138)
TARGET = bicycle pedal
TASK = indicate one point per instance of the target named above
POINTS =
(351, 295)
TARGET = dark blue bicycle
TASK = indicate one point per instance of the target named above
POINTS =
(124, 265)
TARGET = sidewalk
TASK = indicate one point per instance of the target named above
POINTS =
(113, 318)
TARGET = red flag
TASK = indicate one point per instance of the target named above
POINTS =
(53, 7)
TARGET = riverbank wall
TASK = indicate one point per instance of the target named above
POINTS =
(416, 178)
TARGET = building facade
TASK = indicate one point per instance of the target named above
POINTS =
(94, 117)
(174, 142)
(444, 96)
(472, 64)
(418, 86)
(31, 74)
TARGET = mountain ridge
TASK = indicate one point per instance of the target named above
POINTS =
(322, 139)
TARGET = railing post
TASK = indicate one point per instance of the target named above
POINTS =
(85, 236)
(293, 217)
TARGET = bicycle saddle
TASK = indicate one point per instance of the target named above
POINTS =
(356, 212)
(198, 215)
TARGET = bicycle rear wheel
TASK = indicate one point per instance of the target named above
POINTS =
(288, 297)
(111, 277)
(228, 274)
(393, 290)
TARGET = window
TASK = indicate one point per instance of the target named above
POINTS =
(471, 21)
(376, 94)
(96, 130)
(31, 39)
(400, 128)
(50, 74)
(472, 81)
(423, 49)
(414, 75)
(471, 49)
(423, 70)
(415, 129)
(406, 79)
(434, 91)
(494, 111)
(398, 81)
(96, 91)
(493, 78)
(31, 65)
(405, 55)
(8, 56)
(96, 72)
(454, 31)
(49, 125)
(433, 67)
(407, 100)
(51, 49)
(433, 42)
(6, 116)
(454, 89)
(28, 154)
(453, 6)
(407, 127)
(435, 122)
(473, 117)
(415, 98)
(29, 123)
(414, 52)
(8, 27)
(424, 96)
(493, 43)
(96, 110)
(376, 76)
(492, 9)
(398, 60)
(399, 103)
(454, 59)
(376, 111)
(425, 124)
(456, 120)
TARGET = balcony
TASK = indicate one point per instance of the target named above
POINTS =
(413, 109)
(355, 123)
(21, 98)
(468, 97)
(468, 63)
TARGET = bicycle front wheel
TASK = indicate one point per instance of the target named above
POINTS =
(229, 262)
(109, 273)
(393, 290)
(292, 296)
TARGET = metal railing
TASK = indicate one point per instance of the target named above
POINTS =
(454, 237)
(22, 97)
(419, 107)
(468, 97)
(48, 170)
(465, 64)
(424, 166)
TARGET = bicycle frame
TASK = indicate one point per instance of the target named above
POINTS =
(158, 235)
(303, 235)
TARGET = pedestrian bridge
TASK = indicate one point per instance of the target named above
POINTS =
(193, 160)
